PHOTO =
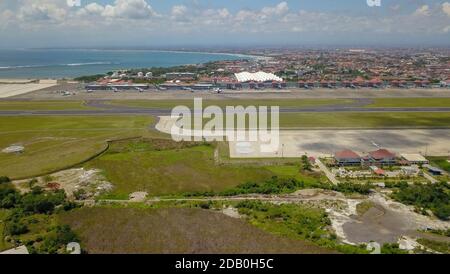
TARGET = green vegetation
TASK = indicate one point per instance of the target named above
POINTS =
(291, 103)
(434, 197)
(43, 105)
(4, 179)
(349, 188)
(89, 78)
(296, 222)
(29, 220)
(410, 102)
(175, 230)
(392, 249)
(440, 232)
(4, 213)
(273, 185)
(365, 120)
(305, 164)
(441, 247)
(56, 142)
(300, 120)
(441, 162)
(34, 202)
(164, 167)
(363, 207)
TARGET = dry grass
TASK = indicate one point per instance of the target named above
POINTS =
(174, 230)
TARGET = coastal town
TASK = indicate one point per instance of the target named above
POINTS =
(304, 69)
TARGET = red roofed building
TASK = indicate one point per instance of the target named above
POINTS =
(347, 157)
(359, 82)
(380, 172)
(381, 157)
(375, 82)
(395, 83)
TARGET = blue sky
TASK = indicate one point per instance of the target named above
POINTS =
(146, 23)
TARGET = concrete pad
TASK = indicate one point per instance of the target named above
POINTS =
(322, 143)
(10, 90)
(21, 250)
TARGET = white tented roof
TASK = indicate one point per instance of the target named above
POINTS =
(414, 158)
(259, 76)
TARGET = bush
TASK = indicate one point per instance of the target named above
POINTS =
(9, 197)
(435, 197)
(57, 239)
(38, 202)
(353, 188)
(274, 185)
(80, 194)
(4, 179)
(392, 249)
(306, 165)
(15, 227)
(205, 205)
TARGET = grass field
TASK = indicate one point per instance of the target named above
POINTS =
(365, 120)
(352, 120)
(56, 142)
(43, 105)
(143, 166)
(283, 103)
(410, 102)
(286, 103)
(174, 230)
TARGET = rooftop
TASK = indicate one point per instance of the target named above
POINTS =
(381, 154)
(259, 76)
(414, 158)
(346, 154)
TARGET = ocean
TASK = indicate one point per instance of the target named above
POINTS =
(70, 63)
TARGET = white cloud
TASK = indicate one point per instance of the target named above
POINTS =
(179, 13)
(280, 9)
(423, 11)
(94, 8)
(446, 8)
(41, 11)
(179, 10)
(129, 9)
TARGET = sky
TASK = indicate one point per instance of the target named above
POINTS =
(223, 23)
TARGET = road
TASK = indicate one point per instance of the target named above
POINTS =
(327, 172)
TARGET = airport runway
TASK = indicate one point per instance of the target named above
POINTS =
(102, 108)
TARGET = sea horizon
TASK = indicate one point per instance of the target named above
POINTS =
(68, 63)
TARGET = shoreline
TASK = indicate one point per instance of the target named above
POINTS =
(14, 67)
(156, 50)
